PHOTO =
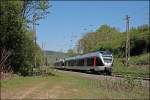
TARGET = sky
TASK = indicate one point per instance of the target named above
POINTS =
(68, 21)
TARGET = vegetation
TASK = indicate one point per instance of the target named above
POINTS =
(111, 39)
(52, 56)
(71, 52)
(64, 86)
(140, 60)
(17, 36)
(133, 70)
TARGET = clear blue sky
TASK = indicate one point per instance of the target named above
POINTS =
(69, 20)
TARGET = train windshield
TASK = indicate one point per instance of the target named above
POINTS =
(107, 57)
(108, 60)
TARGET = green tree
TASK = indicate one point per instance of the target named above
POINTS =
(99, 40)
(110, 38)
(70, 53)
(15, 37)
(140, 40)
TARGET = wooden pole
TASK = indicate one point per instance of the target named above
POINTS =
(127, 40)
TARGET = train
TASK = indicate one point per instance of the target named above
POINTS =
(99, 61)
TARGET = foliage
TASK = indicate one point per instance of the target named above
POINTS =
(38, 8)
(102, 39)
(109, 38)
(132, 70)
(70, 53)
(52, 56)
(16, 38)
(140, 60)
(140, 40)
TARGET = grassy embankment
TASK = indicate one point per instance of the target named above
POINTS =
(70, 86)
(139, 66)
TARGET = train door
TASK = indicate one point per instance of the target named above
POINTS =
(90, 63)
(94, 61)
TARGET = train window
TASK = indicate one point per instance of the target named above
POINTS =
(71, 62)
(66, 63)
(80, 62)
(107, 60)
(99, 62)
(90, 61)
(85, 61)
(77, 62)
(62, 63)
(74, 62)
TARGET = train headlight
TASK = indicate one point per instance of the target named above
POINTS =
(108, 64)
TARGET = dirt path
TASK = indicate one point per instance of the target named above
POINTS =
(39, 90)
(56, 91)
(22, 92)
(31, 90)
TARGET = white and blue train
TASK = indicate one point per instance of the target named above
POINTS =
(100, 61)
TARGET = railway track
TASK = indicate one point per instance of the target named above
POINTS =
(114, 75)
(144, 81)
(140, 78)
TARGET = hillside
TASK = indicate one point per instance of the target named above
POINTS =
(48, 52)
(53, 55)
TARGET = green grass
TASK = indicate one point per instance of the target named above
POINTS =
(75, 87)
(135, 69)
(142, 59)
(19, 81)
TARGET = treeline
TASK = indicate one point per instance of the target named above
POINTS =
(17, 47)
(111, 39)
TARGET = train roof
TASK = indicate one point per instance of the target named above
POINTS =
(96, 54)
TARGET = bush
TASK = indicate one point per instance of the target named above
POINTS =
(16, 38)
(140, 60)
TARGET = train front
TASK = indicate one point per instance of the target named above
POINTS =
(108, 61)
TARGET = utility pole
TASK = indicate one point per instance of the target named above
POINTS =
(34, 38)
(127, 40)
(43, 58)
